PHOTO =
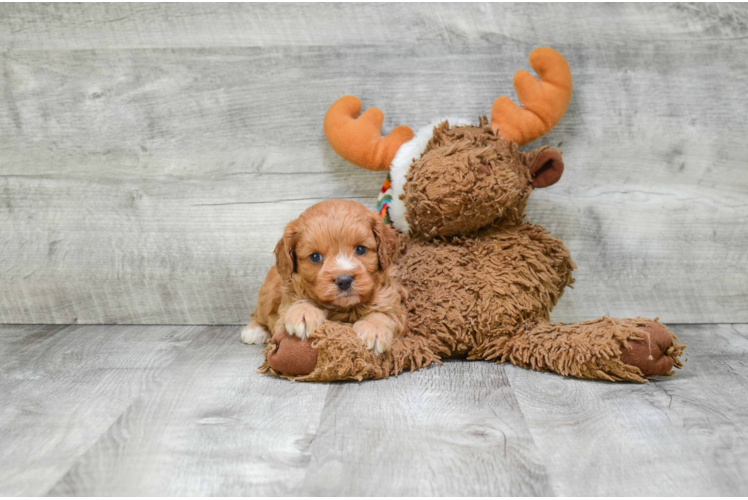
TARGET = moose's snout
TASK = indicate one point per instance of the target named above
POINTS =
(344, 281)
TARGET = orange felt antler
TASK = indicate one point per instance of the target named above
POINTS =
(359, 140)
(543, 102)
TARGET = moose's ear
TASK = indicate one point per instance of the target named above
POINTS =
(546, 166)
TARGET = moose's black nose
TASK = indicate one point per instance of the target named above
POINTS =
(344, 281)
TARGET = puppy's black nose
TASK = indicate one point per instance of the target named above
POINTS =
(344, 281)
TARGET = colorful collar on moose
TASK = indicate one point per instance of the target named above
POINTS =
(384, 200)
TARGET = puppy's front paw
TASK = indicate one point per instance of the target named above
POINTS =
(376, 332)
(302, 319)
(255, 333)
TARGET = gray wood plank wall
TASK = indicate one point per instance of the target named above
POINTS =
(150, 155)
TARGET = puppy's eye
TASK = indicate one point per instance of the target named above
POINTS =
(316, 258)
(360, 250)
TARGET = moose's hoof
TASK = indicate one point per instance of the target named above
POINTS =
(292, 355)
(652, 354)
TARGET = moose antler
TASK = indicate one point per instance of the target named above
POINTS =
(543, 102)
(359, 140)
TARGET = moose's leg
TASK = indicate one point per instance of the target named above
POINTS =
(605, 349)
(335, 352)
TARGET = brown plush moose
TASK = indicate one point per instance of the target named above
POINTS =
(481, 281)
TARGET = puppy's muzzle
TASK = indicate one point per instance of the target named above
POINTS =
(344, 281)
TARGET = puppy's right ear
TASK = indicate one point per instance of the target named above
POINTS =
(285, 252)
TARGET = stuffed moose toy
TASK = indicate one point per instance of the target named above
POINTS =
(480, 280)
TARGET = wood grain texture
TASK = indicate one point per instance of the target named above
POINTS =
(426, 434)
(213, 427)
(58, 26)
(150, 155)
(130, 410)
(686, 435)
(62, 387)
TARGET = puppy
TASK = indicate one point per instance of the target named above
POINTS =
(332, 263)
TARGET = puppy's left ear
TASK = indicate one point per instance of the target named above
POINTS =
(546, 166)
(386, 241)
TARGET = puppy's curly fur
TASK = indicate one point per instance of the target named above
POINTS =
(332, 263)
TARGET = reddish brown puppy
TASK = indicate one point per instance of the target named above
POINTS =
(332, 263)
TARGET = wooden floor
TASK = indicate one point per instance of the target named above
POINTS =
(166, 410)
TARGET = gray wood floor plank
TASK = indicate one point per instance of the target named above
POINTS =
(150, 185)
(453, 430)
(41, 27)
(62, 387)
(212, 427)
(174, 410)
(684, 435)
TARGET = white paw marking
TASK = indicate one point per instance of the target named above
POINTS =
(255, 335)
(302, 319)
(378, 340)
(299, 330)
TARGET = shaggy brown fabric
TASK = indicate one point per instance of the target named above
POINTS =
(342, 356)
(465, 180)
(464, 290)
(603, 349)
(592, 349)
(481, 281)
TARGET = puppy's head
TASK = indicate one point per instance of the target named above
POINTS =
(336, 253)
